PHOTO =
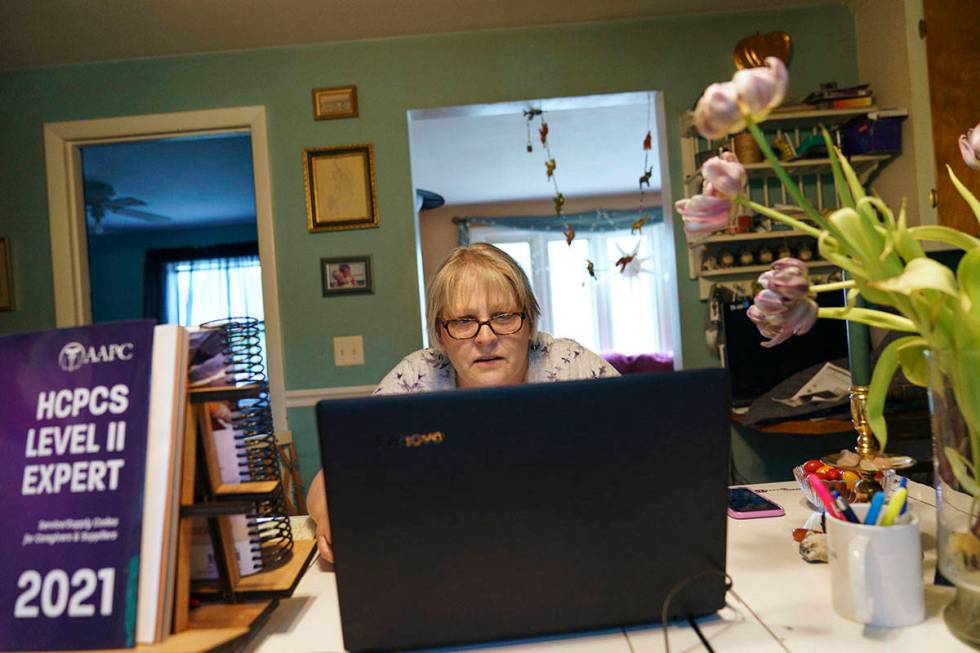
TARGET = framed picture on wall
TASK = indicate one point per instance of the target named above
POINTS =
(340, 188)
(348, 275)
(336, 102)
(6, 277)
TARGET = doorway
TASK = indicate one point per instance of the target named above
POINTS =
(69, 216)
(574, 189)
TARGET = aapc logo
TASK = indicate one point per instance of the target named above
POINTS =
(74, 354)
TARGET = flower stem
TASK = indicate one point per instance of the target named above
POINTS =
(798, 197)
(870, 317)
(799, 225)
(837, 285)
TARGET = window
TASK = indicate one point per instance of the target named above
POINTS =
(206, 289)
(190, 286)
(624, 311)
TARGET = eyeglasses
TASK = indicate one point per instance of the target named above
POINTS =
(502, 324)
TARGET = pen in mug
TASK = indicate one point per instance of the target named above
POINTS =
(844, 507)
(894, 507)
(876, 502)
(821, 491)
(904, 482)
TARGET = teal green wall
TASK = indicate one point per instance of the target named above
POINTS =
(117, 264)
(676, 55)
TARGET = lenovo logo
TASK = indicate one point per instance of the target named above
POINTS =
(410, 441)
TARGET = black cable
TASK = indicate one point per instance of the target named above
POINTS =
(729, 587)
(677, 588)
(701, 636)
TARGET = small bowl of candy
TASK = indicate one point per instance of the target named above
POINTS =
(833, 478)
(855, 487)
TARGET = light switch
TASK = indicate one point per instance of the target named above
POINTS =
(348, 350)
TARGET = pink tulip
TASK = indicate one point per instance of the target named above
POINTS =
(725, 175)
(717, 113)
(778, 326)
(704, 213)
(761, 89)
(762, 322)
(970, 147)
(771, 303)
(787, 278)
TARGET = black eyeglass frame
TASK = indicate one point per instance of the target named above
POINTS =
(488, 324)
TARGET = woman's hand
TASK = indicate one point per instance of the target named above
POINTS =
(316, 502)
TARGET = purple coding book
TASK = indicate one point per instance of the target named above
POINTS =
(73, 424)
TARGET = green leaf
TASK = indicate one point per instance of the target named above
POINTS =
(968, 274)
(959, 466)
(878, 390)
(970, 198)
(877, 203)
(857, 190)
(859, 233)
(912, 358)
(920, 274)
(946, 235)
(908, 248)
(840, 184)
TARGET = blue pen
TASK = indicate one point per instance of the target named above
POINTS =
(876, 502)
(903, 482)
(844, 508)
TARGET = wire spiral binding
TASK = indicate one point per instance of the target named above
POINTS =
(257, 450)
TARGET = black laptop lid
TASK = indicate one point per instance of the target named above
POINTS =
(483, 514)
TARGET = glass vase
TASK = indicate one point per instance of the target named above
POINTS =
(953, 406)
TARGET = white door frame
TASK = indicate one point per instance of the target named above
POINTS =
(66, 213)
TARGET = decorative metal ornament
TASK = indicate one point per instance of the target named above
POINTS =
(751, 52)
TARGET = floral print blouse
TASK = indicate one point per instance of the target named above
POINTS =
(549, 359)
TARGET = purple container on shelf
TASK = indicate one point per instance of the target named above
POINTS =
(866, 136)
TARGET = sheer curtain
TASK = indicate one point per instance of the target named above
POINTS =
(205, 289)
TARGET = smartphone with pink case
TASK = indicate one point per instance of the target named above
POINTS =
(743, 503)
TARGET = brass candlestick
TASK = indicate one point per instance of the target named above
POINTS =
(867, 444)
(866, 447)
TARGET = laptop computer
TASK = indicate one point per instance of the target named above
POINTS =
(499, 513)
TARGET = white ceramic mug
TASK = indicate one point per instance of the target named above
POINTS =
(876, 571)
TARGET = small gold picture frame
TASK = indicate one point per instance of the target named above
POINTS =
(340, 188)
(334, 103)
(6, 277)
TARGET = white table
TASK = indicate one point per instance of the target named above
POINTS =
(791, 596)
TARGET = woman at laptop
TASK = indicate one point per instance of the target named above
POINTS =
(482, 320)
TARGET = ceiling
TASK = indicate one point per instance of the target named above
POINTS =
(195, 182)
(478, 153)
(52, 32)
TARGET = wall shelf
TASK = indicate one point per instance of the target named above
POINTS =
(795, 123)
(798, 116)
(750, 235)
(755, 269)
(864, 166)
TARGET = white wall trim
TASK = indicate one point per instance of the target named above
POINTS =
(669, 244)
(309, 397)
(66, 212)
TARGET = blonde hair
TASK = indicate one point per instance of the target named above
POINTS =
(483, 264)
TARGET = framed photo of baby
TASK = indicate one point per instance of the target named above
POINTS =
(349, 275)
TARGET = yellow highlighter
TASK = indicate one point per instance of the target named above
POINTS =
(894, 507)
